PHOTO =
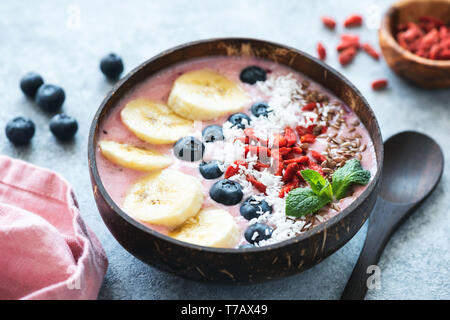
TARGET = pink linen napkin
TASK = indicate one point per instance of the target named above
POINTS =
(46, 250)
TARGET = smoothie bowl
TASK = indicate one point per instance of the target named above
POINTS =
(234, 160)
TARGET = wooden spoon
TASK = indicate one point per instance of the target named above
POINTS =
(413, 165)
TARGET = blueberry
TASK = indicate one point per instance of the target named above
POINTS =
(260, 109)
(189, 149)
(63, 126)
(246, 246)
(212, 133)
(111, 66)
(252, 74)
(50, 97)
(227, 192)
(257, 232)
(239, 120)
(252, 208)
(30, 83)
(211, 169)
(20, 130)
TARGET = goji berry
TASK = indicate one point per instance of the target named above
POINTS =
(259, 165)
(234, 168)
(318, 156)
(279, 141)
(379, 84)
(257, 184)
(289, 135)
(370, 51)
(346, 37)
(321, 51)
(297, 150)
(303, 159)
(309, 107)
(353, 21)
(294, 183)
(329, 22)
(346, 56)
(348, 44)
(284, 151)
(308, 138)
(290, 171)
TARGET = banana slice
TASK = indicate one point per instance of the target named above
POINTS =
(211, 228)
(133, 157)
(167, 198)
(154, 122)
(205, 95)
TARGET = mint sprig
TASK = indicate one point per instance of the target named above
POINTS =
(303, 201)
(351, 173)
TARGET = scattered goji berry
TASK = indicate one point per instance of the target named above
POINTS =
(370, 51)
(346, 56)
(279, 141)
(353, 21)
(330, 23)
(379, 84)
(347, 44)
(321, 51)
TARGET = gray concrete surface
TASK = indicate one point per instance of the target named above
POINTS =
(47, 36)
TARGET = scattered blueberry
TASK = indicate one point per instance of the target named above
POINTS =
(189, 149)
(252, 208)
(239, 120)
(212, 133)
(63, 126)
(50, 97)
(246, 246)
(227, 192)
(260, 109)
(30, 83)
(111, 66)
(257, 232)
(211, 169)
(252, 74)
(20, 130)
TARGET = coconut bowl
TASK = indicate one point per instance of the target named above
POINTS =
(425, 73)
(237, 265)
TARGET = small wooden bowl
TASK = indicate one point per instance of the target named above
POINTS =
(237, 265)
(423, 72)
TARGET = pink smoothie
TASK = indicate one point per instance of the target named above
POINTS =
(118, 180)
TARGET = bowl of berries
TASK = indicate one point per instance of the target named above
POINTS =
(415, 40)
(234, 160)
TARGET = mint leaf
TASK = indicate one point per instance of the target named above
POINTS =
(351, 173)
(318, 184)
(303, 201)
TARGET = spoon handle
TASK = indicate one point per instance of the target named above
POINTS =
(384, 219)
